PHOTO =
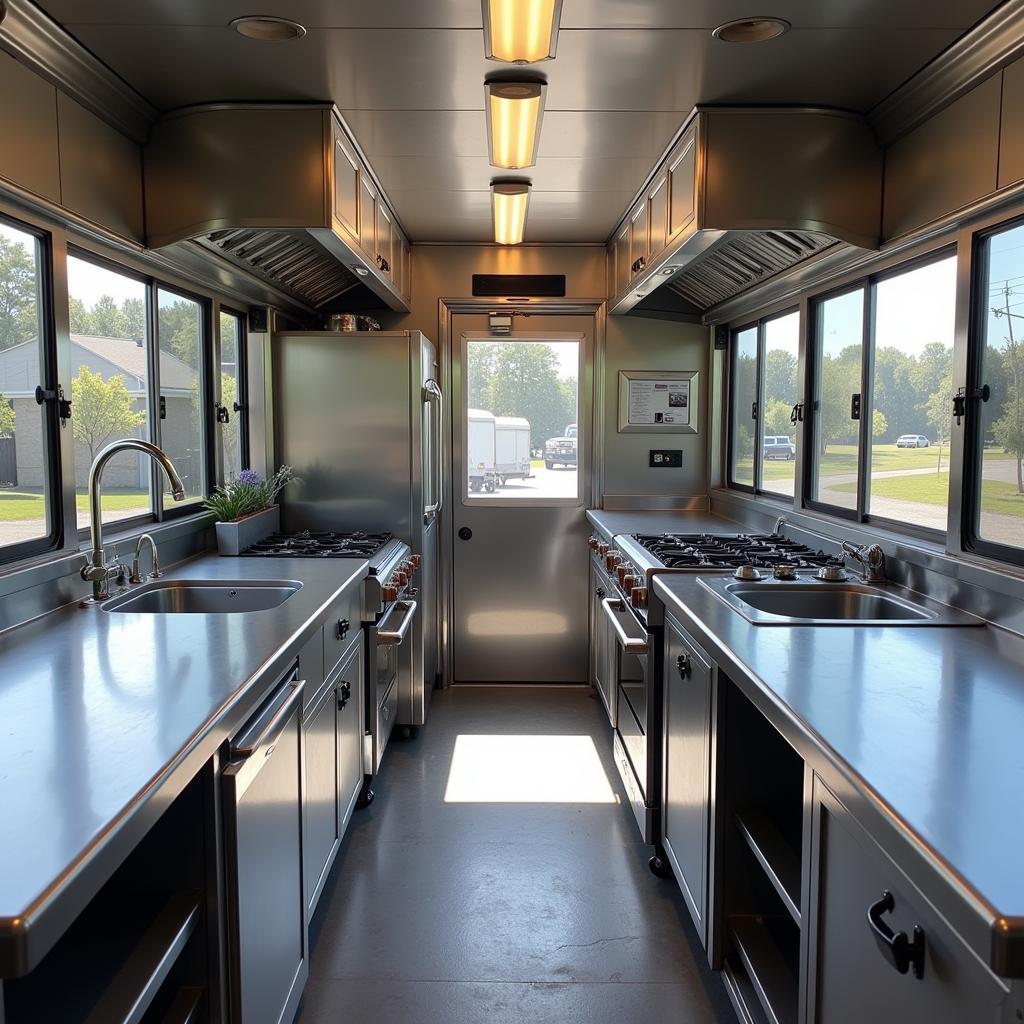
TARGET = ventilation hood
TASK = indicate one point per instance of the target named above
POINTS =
(281, 191)
(741, 196)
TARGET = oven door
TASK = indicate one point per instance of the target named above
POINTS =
(389, 658)
(630, 663)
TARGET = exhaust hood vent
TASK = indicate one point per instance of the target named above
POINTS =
(742, 195)
(293, 262)
(742, 260)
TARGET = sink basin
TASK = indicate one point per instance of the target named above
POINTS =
(812, 602)
(204, 597)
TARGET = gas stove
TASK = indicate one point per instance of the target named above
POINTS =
(306, 544)
(727, 551)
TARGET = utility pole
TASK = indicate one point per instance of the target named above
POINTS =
(1018, 418)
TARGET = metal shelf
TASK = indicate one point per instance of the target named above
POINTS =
(781, 863)
(771, 980)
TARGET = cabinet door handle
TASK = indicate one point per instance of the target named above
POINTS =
(344, 694)
(683, 665)
(600, 592)
(901, 952)
(343, 626)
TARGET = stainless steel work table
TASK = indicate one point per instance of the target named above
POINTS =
(105, 717)
(925, 725)
(651, 521)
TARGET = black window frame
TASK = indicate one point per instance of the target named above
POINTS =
(54, 486)
(869, 283)
(757, 324)
(242, 381)
(973, 475)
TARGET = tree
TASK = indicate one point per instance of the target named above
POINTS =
(777, 420)
(878, 424)
(17, 293)
(1009, 428)
(840, 381)
(179, 324)
(780, 378)
(101, 408)
(6, 418)
(938, 409)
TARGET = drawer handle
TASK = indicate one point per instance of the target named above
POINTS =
(901, 952)
(344, 694)
(683, 665)
(343, 626)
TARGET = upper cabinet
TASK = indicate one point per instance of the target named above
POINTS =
(801, 178)
(311, 184)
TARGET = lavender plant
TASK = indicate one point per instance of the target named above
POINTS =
(247, 494)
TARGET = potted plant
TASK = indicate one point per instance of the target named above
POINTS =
(245, 509)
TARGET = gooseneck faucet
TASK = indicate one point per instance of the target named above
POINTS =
(97, 571)
(871, 557)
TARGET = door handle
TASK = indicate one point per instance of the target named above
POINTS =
(271, 732)
(432, 395)
(901, 952)
(631, 645)
(394, 637)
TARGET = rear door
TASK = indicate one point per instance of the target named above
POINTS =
(520, 571)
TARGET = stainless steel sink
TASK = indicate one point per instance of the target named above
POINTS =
(812, 602)
(204, 597)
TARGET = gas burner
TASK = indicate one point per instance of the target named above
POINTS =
(728, 551)
(308, 544)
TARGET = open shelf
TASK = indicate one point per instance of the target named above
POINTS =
(763, 970)
(775, 854)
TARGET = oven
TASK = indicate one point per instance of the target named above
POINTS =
(634, 665)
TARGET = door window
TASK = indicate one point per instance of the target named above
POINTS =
(521, 430)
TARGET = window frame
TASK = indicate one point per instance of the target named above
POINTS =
(759, 323)
(50, 380)
(973, 466)
(816, 301)
(242, 386)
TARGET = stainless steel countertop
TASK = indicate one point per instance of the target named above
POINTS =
(104, 717)
(922, 726)
(639, 521)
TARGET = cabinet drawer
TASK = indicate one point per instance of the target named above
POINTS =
(853, 980)
(341, 625)
(351, 689)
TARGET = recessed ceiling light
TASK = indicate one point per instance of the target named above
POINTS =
(509, 200)
(267, 28)
(514, 111)
(521, 31)
(361, 271)
(751, 30)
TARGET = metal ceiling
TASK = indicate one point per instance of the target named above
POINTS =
(408, 76)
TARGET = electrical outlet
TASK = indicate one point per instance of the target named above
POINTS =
(666, 458)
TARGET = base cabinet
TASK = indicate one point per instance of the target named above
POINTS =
(602, 645)
(687, 765)
(853, 979)
(351, 718)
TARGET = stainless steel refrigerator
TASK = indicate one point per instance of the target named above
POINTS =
(359, 417)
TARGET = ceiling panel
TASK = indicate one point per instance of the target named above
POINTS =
(408, 75)
(429, 69)
(603, 14)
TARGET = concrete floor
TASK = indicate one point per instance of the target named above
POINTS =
(502, 912)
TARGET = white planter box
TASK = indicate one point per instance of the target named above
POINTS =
(233, 538)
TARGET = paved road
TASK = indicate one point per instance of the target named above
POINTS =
(543, 483)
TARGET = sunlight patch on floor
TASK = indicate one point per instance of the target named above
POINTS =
(527, 769)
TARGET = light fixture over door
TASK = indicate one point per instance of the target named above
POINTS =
(509, 200)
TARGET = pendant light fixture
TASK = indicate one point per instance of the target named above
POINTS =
(509, 200)
(521, 31)
(514, 112)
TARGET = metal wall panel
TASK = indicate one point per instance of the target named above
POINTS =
(1011, 129)
(100, 171)
(950, 161)
(28, 127)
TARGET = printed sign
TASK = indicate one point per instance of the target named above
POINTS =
(651, 401)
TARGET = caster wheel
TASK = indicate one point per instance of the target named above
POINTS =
(365, 798)
(410, 732)
(660, 867)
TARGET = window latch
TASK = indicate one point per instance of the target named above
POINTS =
(55, 395)
(753, 410)
(797, 415)
(982, 394)
(237, 407)
(222, 414)
(163, 407)
(854, 407)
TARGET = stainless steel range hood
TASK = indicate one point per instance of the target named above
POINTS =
(742, 195)
(283, 192)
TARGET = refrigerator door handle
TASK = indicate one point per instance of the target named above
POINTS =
(432, 395)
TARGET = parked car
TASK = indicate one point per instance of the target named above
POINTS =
(912, 441)
(778, 446)
(561, 451)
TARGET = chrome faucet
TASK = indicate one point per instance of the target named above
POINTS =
(155, 573)
(97, 572)
(871, 557)
(779, 524)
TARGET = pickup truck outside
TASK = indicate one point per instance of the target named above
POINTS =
(561, 451)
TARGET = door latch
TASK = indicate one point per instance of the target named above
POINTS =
(55, 395)
(753, 410)
(854, 407)
(222, 414)
(982, 394)
(797, 415)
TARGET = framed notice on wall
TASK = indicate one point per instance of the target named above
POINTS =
(658, 401)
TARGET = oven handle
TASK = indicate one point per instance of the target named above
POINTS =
(612, 606)
(394, 637)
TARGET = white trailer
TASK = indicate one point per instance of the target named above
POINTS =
(511, 448)
(480, 450)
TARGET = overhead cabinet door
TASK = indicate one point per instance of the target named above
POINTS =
(385, 237)
(368, 218)
(657, 215)
(682, 180)
(346, 187)
(638, 238)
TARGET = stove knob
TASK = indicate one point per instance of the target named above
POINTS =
(403, 579)
(408, 568)
(389, 592)
(629, 582)
(416, 560)
(592, 543)
(638, 597)
(602, 548)
(611, 561)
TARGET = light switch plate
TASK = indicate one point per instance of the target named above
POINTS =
(666, 458)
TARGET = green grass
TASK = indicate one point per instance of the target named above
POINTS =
(998, 497)
(23, 503)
